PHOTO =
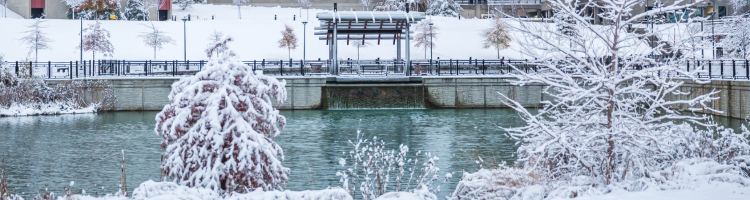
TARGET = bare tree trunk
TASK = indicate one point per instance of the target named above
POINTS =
(239, 12)
(154, 52)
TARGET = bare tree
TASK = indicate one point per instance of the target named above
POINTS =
(96, 39)
(288, 39)
(496, 36)
(155, 38)
(213, 39)
(239, 3)
(36, 38)
(365, 4)
(426, 35)
(360, 44)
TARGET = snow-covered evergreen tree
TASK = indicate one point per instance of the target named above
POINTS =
(447, 8)
(613, 113)
(184, 4)
(136, 10)
(219, 126)
(288, 39)
(496, 36)
(239, 3)
(155, 38)
(72, 5)
(96, 39)
(736, 39)
(426, 35)
(36, 38)
(740, 7)
(396, 5)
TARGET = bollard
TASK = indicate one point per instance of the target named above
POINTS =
(294, 18)
(189, 17)
(212, 17)
(274, 17)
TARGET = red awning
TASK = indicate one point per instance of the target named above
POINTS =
(164, 4)
(37, 3)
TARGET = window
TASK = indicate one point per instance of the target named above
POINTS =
(37, 13)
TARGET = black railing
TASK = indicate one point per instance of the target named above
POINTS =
(712, 69)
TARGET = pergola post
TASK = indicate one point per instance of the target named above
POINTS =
(408, 51)
(398, 47)
(335, 42)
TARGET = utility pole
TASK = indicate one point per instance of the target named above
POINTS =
(81, 37)
(304, 38)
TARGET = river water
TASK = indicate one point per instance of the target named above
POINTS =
(48, 152)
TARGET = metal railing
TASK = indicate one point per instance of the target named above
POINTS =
(499, 2)
(713, 69)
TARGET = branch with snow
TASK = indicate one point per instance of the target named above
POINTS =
(96, 39)
(218, 129)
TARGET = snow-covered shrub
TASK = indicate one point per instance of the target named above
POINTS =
(736, 40)
(34, 96)
(136, 10)
(447, 8)
(501, 183)
(7, 73)
(219, 126)
(370, 170)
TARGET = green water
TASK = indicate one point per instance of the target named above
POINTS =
(47, 152)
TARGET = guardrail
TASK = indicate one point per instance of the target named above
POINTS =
(499, 2)
(713, 69)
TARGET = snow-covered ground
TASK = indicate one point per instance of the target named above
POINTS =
(44, 109)
(715, 191)
(256, 35)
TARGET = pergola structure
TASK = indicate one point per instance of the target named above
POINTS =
(382, 26)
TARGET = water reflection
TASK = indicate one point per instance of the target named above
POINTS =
(50, 151)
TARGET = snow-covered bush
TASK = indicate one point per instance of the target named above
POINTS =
(503, 182)
(184, 4)
(136, 10)
(370, 170)
(217, 45)
(219, 126)
(32, 96)
(612, 119)
(447, 8)
(736, 40)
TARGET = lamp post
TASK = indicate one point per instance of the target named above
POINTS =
(304, 38)
(81, 38)
(184, 38)
(431, 33)
(713, 40)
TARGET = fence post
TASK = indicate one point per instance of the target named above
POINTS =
(476, 66)
(187, 66)
(281, 67)
(747, 70)
(710, 73)
(721, 67)
(734, 70)
(70, 70)
(16, 68)
(302, 67)
(688, 66)
(31, 69)
(49, 69)
(76, 69)
(254, 62)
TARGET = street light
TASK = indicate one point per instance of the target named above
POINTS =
(184, 38)
(304, 38)
(431, 44)
(81, 38)
(713, 40)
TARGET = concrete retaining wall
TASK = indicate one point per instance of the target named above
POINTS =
(437, 92)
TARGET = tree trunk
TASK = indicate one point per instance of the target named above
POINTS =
(239, 12)
(154, 52)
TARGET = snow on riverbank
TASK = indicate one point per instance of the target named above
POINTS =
(256, 36)
(44, 109)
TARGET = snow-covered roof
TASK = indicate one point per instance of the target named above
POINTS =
(371, 16)
(366, 25)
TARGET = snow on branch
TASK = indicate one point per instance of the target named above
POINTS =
(96, 39)
(218, 129)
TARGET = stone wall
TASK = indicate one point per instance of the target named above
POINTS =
(734, 97)
(479, 92)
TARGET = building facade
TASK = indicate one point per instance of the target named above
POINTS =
(57, 9)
